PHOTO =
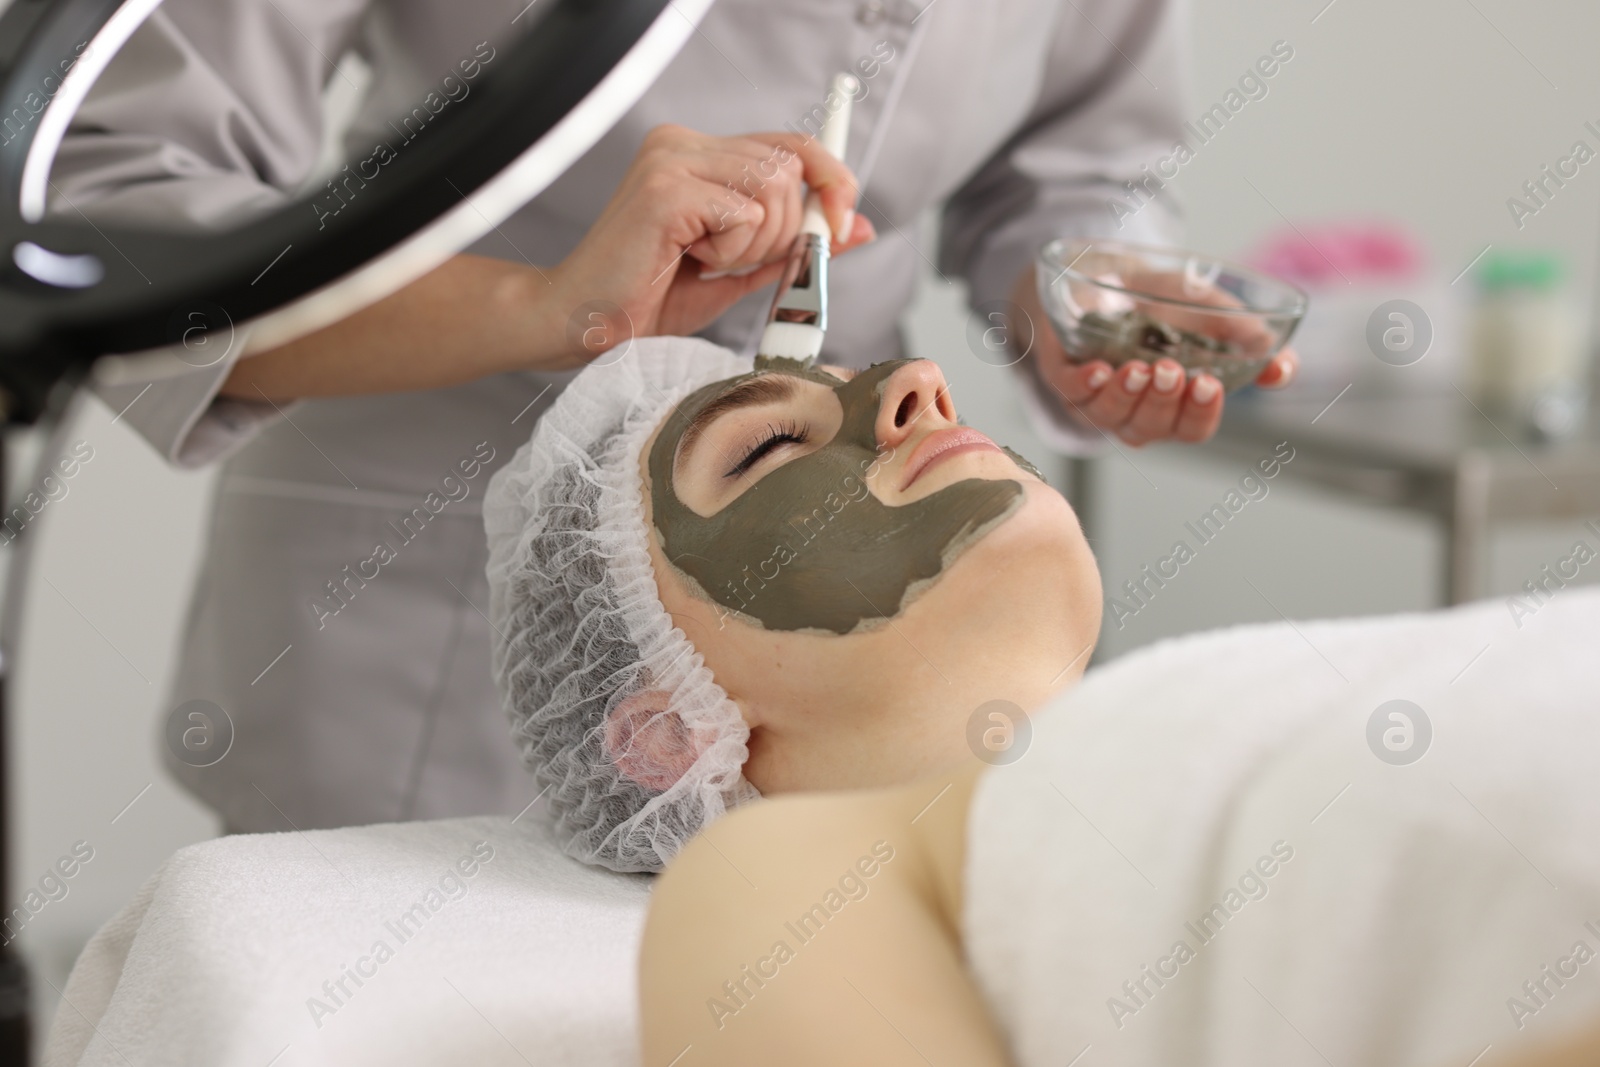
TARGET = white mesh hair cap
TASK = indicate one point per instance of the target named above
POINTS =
(604, 693)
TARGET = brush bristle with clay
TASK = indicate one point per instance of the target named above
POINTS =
(799, 316)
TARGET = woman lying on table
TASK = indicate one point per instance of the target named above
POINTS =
(713, 582)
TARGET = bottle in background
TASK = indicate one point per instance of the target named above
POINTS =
(1529, 353)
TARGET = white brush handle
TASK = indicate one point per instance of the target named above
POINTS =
(836, 126)
(833, 136)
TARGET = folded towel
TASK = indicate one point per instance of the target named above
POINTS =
(1223, 850)
(458, 941)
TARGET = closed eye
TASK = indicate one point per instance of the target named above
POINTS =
(774, 437)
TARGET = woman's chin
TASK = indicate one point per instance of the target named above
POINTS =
(1046, 530)
(1038, 555)
(1021, 597)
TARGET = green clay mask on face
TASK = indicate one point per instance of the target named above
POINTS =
(808, 547)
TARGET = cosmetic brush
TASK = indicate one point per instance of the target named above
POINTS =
(799, 315)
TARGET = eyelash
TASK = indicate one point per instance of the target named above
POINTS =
(784, 433)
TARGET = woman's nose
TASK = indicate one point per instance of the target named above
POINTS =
(914, 395)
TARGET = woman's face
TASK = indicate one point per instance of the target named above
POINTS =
(860, 572)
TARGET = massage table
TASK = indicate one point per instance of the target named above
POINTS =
(245, 951)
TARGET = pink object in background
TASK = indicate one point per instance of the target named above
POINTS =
(1337, 252)
(1352, 268)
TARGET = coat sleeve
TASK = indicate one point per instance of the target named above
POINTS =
(211, 112)
(1110, 104)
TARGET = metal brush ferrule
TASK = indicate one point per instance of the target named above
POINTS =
(802, 294)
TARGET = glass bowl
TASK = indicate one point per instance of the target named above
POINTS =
(1115, 301)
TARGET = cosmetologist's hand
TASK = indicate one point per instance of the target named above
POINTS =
(696, 223)
(1138, 402)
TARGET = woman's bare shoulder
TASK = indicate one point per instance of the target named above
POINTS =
(810, 906)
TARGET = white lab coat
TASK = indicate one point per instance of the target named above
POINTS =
(1021, 116)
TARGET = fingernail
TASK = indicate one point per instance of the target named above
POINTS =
(1099, 376)
(1138, 377)
(1205, 389)
(713, 275)
(1167, 377)
(848, 225)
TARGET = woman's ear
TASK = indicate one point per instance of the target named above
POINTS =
(649, 744)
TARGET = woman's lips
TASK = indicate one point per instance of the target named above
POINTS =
(941, 445)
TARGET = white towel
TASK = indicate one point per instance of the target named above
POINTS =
(524, 957)
(1357, 912)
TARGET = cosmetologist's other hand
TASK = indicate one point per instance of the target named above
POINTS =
(1138, 402)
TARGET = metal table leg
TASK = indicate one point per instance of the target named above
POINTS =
(1467, 531)
(1079, 491)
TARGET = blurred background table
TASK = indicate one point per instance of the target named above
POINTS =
(1436, 454)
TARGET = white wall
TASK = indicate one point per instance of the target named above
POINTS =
(1419, 111)
(1416, 111)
